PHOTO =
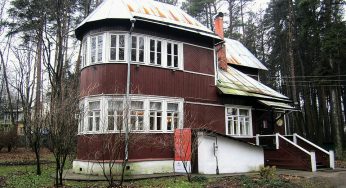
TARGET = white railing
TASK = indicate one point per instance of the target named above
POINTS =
(330, 153)
(277, 143)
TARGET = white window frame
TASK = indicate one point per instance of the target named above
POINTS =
(96, 49)
(179, 123)
(115, 115)
(117, 47)
(136, 116)
(250, 129)
(156, 40)
(93, 130)
(138, 37)
(156, 116)
(172, 54)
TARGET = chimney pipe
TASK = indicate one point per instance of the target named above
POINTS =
(221, 51)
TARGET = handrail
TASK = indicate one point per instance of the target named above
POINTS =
(314, 145)
(268, 135)
(289, 141)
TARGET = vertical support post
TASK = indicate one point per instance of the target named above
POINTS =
(313, 161)
(257, 140)
(331, 159)
(295, 138)
(277, 140)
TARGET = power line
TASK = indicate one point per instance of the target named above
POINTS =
(326, 76)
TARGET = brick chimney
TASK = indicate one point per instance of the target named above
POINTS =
(221, 51)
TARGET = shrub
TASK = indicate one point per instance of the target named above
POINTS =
(8, 139)
(268, 173)
(199, 179)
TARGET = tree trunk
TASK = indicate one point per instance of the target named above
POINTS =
(336, 123)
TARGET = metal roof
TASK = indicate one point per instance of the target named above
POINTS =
(234, 82)
(238, 54)
(147, 10)
(277, 105)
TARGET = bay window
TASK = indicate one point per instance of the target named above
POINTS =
(238, 121)
(137, 116)
(94, 116)
(117, 47)
(115, 115)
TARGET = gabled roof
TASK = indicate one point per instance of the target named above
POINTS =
(238, 54)
(147, 10)
(234, 82)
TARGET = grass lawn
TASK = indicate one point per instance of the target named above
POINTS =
(24, 176)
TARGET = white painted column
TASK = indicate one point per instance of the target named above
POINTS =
(331, 159)
(257, 140)
(277, 140)
(295, 138)
(313, 161)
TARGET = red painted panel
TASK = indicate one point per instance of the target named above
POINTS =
(182, 144)
(198, 59)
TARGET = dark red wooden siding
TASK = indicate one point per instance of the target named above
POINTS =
(198, 59)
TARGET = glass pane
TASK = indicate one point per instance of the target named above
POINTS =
(133, 123)
(152, 45)
(176, 122)
(152, 57)
(151, 121)
(158, 121)
(121, 54)
(113, 41)
(172, 107)
(119, 122)
(90, 124)
(93, 49)
(133, 55)
(175, 49)
(115, 105)
(113, 54)
(243, 112)
(234, 111)
(155, 105)
(158, 61)
(169, 123)
(141, 43)
(140, 122)
(141, 55)
(169, 48)
(175, 61)
(169, 60)
(121, 41)
(99, 47)
(134, 42)
(110, 123)
(158, 47)
(94, 105)
(136, 105)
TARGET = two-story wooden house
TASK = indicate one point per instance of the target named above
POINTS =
(177, 74)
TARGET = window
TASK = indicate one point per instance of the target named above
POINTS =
(81, 118)
(96, 49)
(115, 116)
(117, 48)
(94, 116)
(172, 116)
(84, 53)
(155, 117)
(172, 55)
(137, 116)
(155, 52)
(137, 49)
(238, 121)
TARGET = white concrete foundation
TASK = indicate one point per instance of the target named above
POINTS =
(140, 167)
(231, 156)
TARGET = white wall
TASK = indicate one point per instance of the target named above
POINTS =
(141, 167)
(233, 156)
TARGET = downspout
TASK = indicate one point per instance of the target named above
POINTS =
(128, 80)
(216, 147)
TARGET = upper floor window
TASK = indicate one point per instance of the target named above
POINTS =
(238, 121)
(137, 50)
(155, 52)
(96, 49)
(117, 48)
(172, 55)
(146, 50)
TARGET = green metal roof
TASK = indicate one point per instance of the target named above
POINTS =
(234, 82)
(277, 105)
